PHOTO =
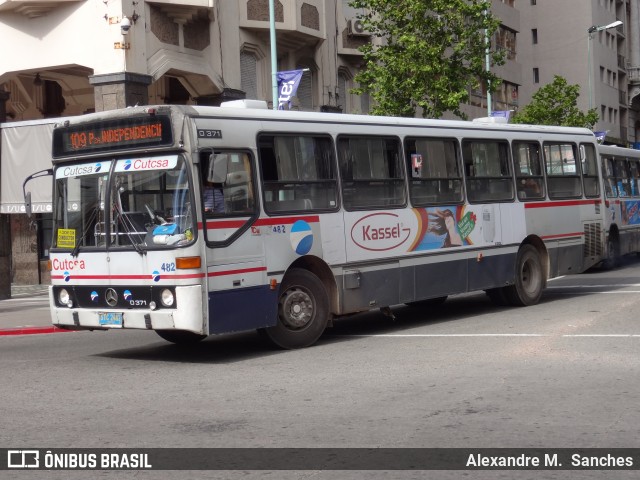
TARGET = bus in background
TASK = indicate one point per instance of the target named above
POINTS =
(313, 216)
(621, 173)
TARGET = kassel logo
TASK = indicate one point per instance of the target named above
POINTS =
(379, 232)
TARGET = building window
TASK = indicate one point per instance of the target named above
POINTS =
(305, 90)
(536, 75)
(506, 40)
(534, 36)
(249, 74)
(341, 94)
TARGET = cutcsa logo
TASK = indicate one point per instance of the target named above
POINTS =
(94, 296)
(66, 276)
(301, 237)
(127, 165)
(127, 295)
(97, 167)
(155, 276)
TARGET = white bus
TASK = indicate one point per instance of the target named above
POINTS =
(621, 174)
(321, 215)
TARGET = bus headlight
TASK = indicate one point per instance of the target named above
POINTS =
(166, 297)
(63, 297)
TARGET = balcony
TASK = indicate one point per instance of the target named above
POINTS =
(298, 22)
(633, 74)
(622, 97)
(32, 9)
(622, 62)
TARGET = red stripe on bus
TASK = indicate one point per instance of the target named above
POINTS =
(235, 272)
(562, 235)
(563, 203)
(129, 277)
(261, 222)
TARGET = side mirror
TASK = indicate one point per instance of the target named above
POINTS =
(218, 167)
(27, 195)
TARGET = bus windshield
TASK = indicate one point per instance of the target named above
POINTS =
(135, 204)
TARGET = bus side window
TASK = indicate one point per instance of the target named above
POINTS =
(589, 170)
(610, 189)
(635, 178)
(227, 187)
(528, 168)
(621, 169)
(488, 172)
(563, 174)
(434, 176)
(298, 173)
(371, 170)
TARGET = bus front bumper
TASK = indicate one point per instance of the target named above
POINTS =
(188, 317)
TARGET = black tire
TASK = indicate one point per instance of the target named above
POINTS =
(498, 296)
(529, 280)
(303, 311)
(613, 253)
(180, 337)
(430, 302)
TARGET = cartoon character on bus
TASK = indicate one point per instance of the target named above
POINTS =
(443, 227)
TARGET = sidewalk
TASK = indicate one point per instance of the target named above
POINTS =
(26, 312)
(18, 291)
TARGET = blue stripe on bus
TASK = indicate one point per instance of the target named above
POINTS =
(242, 309)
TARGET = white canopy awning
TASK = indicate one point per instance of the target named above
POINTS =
(26, 149)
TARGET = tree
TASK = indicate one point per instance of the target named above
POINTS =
(431, 52)
(556, 104)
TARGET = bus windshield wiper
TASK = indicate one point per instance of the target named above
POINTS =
(92, 217)
(131, 233)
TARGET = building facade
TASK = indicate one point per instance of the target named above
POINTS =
(70, 57)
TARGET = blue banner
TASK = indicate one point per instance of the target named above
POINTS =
(501, 113)
(600, 136)
(288, 82)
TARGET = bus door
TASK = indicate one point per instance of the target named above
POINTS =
(238, 293)
(593, 216)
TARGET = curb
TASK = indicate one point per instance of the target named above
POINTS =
(32, 330)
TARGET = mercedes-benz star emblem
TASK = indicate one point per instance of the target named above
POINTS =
(111, 297)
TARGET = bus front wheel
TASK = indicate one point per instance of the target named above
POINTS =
(180, 337)
(303, 311)
(529, 281)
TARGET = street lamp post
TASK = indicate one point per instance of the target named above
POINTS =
(591, 30)
(274, 54)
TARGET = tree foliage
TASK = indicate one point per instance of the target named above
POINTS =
(431, 52)
(556, 104)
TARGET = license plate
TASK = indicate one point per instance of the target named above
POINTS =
(110, 319)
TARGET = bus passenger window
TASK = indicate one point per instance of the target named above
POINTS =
(488, 172)
(434, 172)
(610, 189)
(622, 174)
(589, 165)
(298, 173)
(635, 178)
(563, 173)
(371, 170)
(527, 163)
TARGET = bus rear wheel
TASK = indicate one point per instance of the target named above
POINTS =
(303, 311)
(613, 253)
(529, 281)
(180, 337)
(498, 296)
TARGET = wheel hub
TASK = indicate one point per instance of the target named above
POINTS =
(297, 309)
